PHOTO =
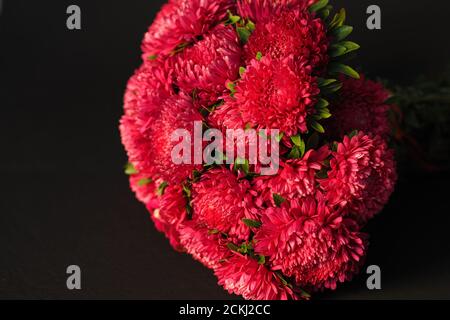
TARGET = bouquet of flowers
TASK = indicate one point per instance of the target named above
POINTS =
(273, 71)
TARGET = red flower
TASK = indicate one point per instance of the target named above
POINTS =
(260, 10)
(221, 201)
(145, 190)
(311, 243)
(204, 68)
(271, 95)
(175, 113)
(181, 22)
(170, 214)
(295, 33)
(146, 91)
(204, 246)
(362, 176)
(360, 105)
(296, 179)
(243, 276)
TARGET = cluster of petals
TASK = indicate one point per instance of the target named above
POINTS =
(264, 237)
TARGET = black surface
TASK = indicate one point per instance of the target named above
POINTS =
(64, 199)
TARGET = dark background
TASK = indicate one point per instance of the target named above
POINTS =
(65, 200)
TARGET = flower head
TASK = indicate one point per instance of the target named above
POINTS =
(311, 243)
(244, 276)
(360, 105)
(362, 175)
(205, 246)
(204, 68)
(260, 10)
(177, 112)
(273, 95)
(296, 179)
(221, 201)
(146, 91)
(181, 22)
(292, 32)
(170, 214)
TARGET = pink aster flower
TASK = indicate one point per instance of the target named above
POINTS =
(204, 68)
(145, 189)
(177, 112)
(170, 214)
(296, 179)
(311, 243)
(206, 247)
(360, 105)
(260, 10)
(180, 22)
(362, 175)
(244, 276)
(221, 201)
(146, 90)
(295, 33)
(273, 95)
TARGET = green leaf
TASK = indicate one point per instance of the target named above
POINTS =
(232, 19)
(243, 34)
(295, 153)
(261, 259)
(300, 146)
(297, 140)
(213, 231)
(350, 45)
(337, 51)
(242, 164)
(162, 187)
(318, 5)
(324, 114)
(305, 294)
(232, 247)
(250, 26)
(189, 210)
(259, 56)
(338, 20)
(344, 69)
(332, 88)
(353, 134)
(283, 281)
(153, 57)
(278, 199)
(279, 136)
(186, 191)
(232, 87)
(252, 223)
(241, 71)
(325, 82)
(317, 126)
(325, 12)
(130, 169)
(144, 182)
(342, 32)
(322, 174)
(313, 141)
(321, 104)
(196, 175)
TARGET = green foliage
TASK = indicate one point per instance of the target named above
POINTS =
(130, 169)
(278, 199)
(144, 182)
(161, 188)
(251, 223)
(321, 4)
(336, 68)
